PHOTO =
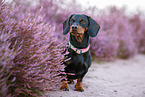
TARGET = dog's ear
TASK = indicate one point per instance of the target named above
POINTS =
(66, 25)
(93, 27)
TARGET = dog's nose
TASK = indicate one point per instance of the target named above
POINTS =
(74, 27)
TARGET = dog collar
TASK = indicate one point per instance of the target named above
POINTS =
(78, 51)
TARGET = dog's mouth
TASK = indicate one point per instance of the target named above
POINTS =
(78, 36)
(78, 33)
(75, 32)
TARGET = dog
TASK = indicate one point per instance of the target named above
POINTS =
(80, 27)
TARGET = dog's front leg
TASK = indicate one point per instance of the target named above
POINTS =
(79, 86)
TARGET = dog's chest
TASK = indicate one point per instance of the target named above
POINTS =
(78, 61)
(77, 65)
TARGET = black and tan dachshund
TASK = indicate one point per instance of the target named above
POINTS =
(80, 27)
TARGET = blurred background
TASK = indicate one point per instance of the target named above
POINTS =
(132, 5)
(31, 37)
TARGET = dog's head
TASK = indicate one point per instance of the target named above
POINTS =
(79, 24)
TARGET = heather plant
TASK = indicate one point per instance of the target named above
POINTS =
(118, 32)
(6, 54)
(55, 12)
(137, 22)
(6, 64)
(104, 46)
(30, 55)
(40, 58)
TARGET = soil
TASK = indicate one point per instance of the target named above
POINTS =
(119, 78)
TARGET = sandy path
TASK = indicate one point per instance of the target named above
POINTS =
(120, 78)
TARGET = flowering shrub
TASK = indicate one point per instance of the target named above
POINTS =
(137, 23)
(116, 37)
(39, 61)
(104, 46)
(6, 54)
(56, 12)
(30, 56)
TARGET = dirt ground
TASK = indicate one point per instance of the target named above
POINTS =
(120, 78)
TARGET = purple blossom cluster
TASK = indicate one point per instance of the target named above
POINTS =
(30, 54)
(121, 35)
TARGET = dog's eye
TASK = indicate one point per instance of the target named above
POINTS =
(82, 21)
(72, 21)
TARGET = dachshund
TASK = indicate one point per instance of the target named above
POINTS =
(80, 27)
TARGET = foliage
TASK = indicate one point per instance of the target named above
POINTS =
(30, 54)
(116, 37)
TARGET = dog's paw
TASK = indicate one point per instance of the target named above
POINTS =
(79, 87)
(64, 87)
